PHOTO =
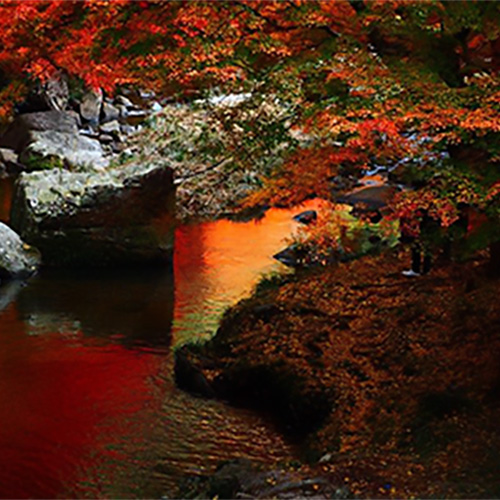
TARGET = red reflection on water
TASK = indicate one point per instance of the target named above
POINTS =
(66, 397)
(55, 395)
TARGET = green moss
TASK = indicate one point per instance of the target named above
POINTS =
(35, 161)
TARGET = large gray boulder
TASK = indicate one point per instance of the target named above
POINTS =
(49, 139)
(50, 149)
(18, 135)
(17, 259)
(117, 217)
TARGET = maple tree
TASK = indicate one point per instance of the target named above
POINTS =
(357, 84)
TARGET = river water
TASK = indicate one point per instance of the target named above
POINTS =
(88, 406)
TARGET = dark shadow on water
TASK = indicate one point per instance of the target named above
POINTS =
(131, 306)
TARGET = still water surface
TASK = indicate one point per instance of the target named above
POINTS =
(88, 406)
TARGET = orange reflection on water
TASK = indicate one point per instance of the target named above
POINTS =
(216, 263)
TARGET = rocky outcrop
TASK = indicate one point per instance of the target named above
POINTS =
(17, 259)
(118, 217)
(81, 136)
(277, 387)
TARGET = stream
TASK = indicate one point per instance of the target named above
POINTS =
(89, 406)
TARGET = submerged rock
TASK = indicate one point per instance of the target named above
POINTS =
(17, 259)
(242, 478)
(134, 307)
(118, 217)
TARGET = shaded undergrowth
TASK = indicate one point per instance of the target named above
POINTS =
(396, 380)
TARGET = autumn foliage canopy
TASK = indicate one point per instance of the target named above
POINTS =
(362, 84)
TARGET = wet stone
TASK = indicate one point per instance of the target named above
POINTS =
(17, 259)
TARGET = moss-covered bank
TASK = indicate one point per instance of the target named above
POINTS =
(394, 382)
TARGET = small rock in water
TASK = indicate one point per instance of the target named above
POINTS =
(17, 259)
(292, 256)
(306, 217)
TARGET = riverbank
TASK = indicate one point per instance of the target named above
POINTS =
(388, 383)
